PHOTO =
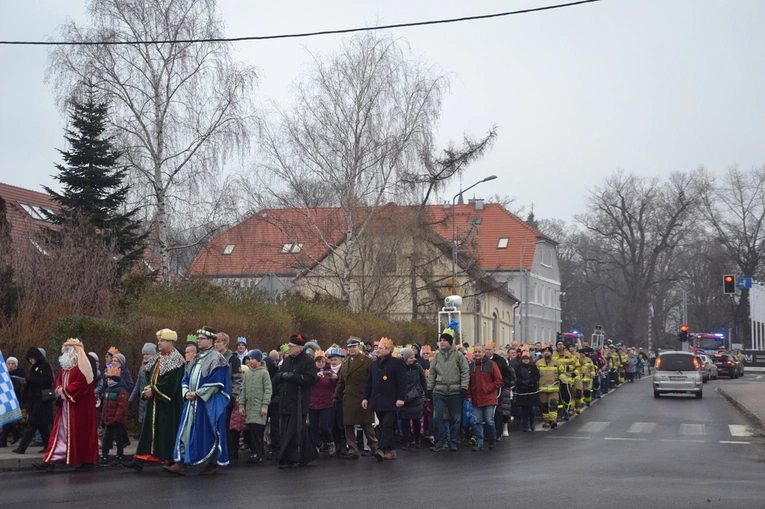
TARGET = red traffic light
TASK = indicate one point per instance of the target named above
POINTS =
(729, 284)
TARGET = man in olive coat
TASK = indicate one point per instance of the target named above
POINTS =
(350, 391)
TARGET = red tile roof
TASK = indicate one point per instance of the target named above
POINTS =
(258, 242)
(23, 224)
(487, 227)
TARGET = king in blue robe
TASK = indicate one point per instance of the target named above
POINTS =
(202, 433)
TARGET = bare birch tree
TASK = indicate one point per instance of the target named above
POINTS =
(178, 108)
(362, 120)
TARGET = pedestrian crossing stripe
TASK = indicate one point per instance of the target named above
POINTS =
(687, 429)
(642, 427)
(693, 429)
(739, 430)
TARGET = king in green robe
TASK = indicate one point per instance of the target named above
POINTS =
(164, 373)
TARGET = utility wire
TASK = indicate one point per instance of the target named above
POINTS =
(298, 35)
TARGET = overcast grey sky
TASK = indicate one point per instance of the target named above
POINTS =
(651, 86)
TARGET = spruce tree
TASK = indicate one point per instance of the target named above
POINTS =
(93, 183)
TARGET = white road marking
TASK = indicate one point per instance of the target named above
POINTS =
(642, 427)
(593, 427)
(734, 442)
(693, 429)
(627, 439)
(740, 430)
(758, 377)
(568, 438)
(684, 440)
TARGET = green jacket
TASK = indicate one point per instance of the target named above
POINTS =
(256, 394)
(449, 372)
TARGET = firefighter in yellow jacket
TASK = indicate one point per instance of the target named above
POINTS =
(567, 379)
(550, 372)
(575, 374)
(622, 364)
(613, 367)
(589, 371)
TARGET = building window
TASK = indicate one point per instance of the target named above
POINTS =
(36, 211)
(291, 247)
(476, 221)
(547, 259)
(228, 249)
(503, 242)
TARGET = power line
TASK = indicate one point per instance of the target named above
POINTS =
(299, 35)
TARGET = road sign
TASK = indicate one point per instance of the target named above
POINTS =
(744, 282)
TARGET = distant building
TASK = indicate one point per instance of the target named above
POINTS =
(403, 267)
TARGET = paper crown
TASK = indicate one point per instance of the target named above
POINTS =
(451, 328)
(112, 349)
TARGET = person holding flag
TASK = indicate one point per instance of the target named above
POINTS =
(10, 409)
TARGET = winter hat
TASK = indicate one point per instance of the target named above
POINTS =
(256, 354)
(417, 346)
(450, 331)
(311, 347)
(149, 349)
(406, 353)
(298, 339)
(335, 352)
(12, 359)
(120, 358)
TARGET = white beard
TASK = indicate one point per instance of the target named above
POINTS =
(68, 359)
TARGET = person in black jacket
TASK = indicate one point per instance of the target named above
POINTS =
(504, 412)
(411, 413)
(386, 387)
(39, 412)
(417, 349)
(526, 396)
(295, 380)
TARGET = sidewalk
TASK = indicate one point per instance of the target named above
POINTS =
(12, 461)
(747, 398)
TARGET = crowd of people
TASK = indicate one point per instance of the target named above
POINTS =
(206, 404)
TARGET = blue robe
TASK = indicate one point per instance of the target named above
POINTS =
(208, 419)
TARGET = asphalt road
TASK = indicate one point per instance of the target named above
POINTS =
(627, 451)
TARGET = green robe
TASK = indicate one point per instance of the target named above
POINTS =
(163, 410)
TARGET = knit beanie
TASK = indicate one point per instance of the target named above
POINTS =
(406, 353)
(149, 349)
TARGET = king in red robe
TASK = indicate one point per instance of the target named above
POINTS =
(74, 437)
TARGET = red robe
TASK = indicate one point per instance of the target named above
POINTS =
(75, 430)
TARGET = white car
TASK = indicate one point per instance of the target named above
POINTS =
(678, 372)
(708, 368)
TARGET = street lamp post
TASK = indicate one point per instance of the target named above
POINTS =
(454, 231)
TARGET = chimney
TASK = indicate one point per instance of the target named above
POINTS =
(477, 202)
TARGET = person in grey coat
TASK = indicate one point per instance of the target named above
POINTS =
(148, 351)
(411, 413)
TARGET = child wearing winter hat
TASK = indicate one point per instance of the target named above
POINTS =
(253, 404)
(114, 412)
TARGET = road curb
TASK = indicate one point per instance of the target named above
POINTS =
(24, 462)
(756, 421)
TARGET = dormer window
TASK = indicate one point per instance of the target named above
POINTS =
(36, 211)
(229, 249)
(476, 221)
(503, 242)
(291, 247)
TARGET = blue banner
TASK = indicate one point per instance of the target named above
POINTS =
(10, 410)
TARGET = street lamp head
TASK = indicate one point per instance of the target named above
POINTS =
(490, 177)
